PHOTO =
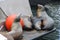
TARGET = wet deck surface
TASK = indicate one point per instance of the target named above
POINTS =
(35, 34)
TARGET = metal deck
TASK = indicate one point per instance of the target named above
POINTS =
(35, 34)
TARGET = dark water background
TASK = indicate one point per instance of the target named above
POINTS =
(54, 12)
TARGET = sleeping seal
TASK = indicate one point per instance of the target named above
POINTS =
(27, 23)
(36, 21)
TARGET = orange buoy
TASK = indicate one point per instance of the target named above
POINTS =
(22, 22)
(10, 19)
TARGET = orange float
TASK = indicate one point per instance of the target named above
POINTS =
(22, 22)
(9, 21)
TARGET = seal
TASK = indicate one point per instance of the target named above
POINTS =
(48, 21)
(42, 21)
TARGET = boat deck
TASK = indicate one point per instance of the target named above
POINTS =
(35, 34)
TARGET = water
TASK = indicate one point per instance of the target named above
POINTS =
(54, 12)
